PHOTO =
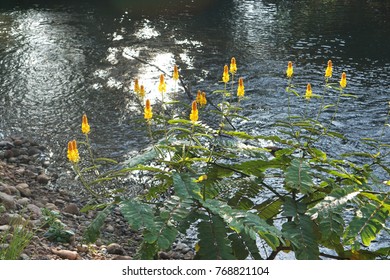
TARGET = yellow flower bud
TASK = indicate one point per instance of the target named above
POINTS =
(136, 86)
(148, 111)
(343, 81)
(194, 112)
(142, 91)
(225, 76)
(175, 73)
(309, 92)
(203, 100)
(85, 128)
(241, 88)
(233, 66)
(329, 69)
(289, 70)
(73, 153)
(162, 87)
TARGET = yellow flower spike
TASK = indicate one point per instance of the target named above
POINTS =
(175, 75)
(241, 88)
(290, 70)
(309, 92)
(194, 112)
(343, 81)
(329, 69)
(203, 100)
(73, 153)
(148, 111)
(233, 66)
(225, 77)
(162, 87)
(142, 91)
(136, 86)
(198, 97)
(85, 128)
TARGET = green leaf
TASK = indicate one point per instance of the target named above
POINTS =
(238, 134)
(243, 221)
(138, 215)
(298, 177)
(185, 187)
(331, 226)
(243, 247)
(367, 223)
(213, 242)
(301, 234)
(93, 230)
(337, 198)
(269, 208)
(142, 158)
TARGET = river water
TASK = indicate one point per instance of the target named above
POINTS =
(60, 60)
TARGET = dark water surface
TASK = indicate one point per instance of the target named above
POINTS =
(58, 61)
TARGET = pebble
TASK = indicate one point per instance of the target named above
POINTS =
(66, 254)
(5, 228)
(35, 211)
(72, 208)
(43, 179)
(110, 228)
(23, 201)
(115, 249)
(24, 189)
(7, 200)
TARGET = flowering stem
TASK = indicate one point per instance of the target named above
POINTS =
(83, 182)
(89, 149)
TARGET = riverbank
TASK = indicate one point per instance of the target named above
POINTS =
(27, 194)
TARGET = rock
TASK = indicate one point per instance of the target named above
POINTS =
(164, 256)
(18, 142)
(122, 258)
(110, 228)
(23, 201)
(8, 154)
(13, 190)
(35, 211)
(82, 248)
(33, 151)
(24, 159)
(24, 190)
(4, 188)
(7, 200)
(66, 254)
(51, 206)
(9, 218)
(115, 249)
(43, 179)
(72, 208)
(6, 145)
(5, 228)
(24, 257)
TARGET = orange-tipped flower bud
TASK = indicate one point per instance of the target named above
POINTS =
(175, 75)
(329, 69)
(290, 70)
(233, 65)
(241, 88)
(194, 112)
(85, 128)
(162, 87)
(343, 81)
(225, 76)
(148, 110)
(309, 92)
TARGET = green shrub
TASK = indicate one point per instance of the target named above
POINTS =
(246, 199)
